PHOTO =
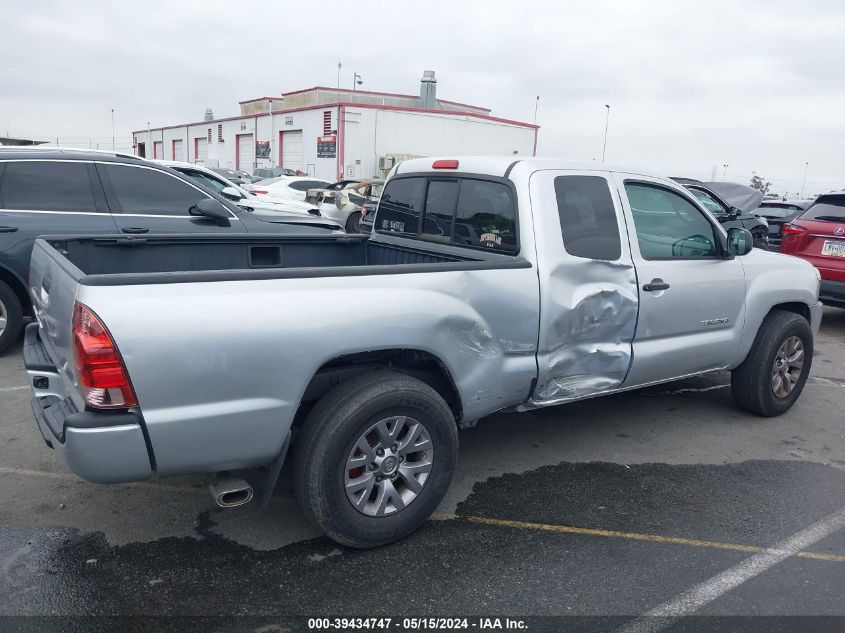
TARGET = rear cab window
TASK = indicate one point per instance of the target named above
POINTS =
(460, 211)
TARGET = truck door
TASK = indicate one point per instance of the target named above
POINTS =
(588, 291)
(146, 200)
(691, 296)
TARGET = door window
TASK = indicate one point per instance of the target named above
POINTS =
(668, 225)
(204, 179)
(47, 186)
(150, 192)
(587, 217)
(709, 202)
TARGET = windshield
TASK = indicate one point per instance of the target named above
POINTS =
(204, 179)
(827, 209)
(710, 203)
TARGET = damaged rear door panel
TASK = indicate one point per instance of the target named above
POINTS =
(588, 291)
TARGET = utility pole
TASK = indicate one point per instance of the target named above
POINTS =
(112, 129)
(606, 124)
(536, 104)
(804, 182)
(725, 171)
(338, 81)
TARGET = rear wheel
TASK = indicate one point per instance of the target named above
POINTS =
(374, 458)
(11, 317)
(353, 223)
(773, 375)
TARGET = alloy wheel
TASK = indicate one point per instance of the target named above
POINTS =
(787, 367)
(388, 466)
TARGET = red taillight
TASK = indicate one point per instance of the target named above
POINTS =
(102, 377)
(444, 164)
(793, 229)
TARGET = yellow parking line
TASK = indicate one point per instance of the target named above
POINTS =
(637, 536)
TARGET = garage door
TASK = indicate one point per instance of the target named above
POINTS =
(246, 153)
(178, 150)
(292, 150)
(157, 153)
(201, 150)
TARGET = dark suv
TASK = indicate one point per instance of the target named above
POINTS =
(74, 192)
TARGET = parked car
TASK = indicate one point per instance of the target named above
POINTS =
(239, 195)
(231, 175)
(82, 192)
(818, 236)
(779, 212)
(285, 187)
(265, 173)
(499, 283)
(344, 200)
(733, 205)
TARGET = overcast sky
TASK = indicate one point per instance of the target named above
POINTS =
(755, 85)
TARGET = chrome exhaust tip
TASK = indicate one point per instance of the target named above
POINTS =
(230, 493)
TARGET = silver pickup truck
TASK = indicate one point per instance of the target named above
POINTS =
(488, 284)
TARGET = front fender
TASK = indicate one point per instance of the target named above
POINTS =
(774, 279)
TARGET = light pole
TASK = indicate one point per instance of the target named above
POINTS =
(338, 81)
(725, 171)
(112, 129)
(149, 147)
(803, 182)
(357, 80)
(606, 124)
(536, 104)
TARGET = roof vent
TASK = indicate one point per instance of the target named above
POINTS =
(428, 90)
(209, 115)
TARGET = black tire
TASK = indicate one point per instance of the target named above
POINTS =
(353, 222)
(761, 244)
(329, 434)
(10, 306)
(751, 382)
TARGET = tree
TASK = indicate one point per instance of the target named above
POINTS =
(760, 184)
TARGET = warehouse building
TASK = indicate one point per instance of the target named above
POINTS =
(332, 133)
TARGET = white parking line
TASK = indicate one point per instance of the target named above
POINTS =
(690, 601)
(4, 389)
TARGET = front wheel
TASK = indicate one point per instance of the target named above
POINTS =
(374, 458)
(773, 375)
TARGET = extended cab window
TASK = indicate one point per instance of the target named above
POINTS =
(150, 192)
(47, 186)
(587, 217)
(668, 225)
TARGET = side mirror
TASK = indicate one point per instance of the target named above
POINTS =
(740, 242)
(231, 193)
(213, 210)
(734, 211)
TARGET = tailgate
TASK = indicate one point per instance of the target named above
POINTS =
(53, 284)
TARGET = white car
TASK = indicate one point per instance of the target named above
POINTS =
(285, 188)
(237, 194)
(344, 201)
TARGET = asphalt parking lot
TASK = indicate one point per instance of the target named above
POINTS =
(606, 509)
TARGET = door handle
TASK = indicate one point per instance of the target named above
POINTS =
(136, 229)
(8, 229)
(656, 284)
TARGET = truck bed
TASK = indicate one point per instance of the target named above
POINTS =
(119, 260)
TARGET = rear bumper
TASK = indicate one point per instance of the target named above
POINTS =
(832, 293)
(101, 447)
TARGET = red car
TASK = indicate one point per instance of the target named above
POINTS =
(818, 235)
